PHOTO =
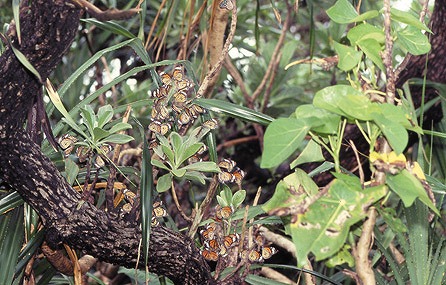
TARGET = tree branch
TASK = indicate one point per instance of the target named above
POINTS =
(48, 29)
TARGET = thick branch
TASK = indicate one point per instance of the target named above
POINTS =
(48, 29)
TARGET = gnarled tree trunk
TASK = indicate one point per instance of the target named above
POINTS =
(48, 28)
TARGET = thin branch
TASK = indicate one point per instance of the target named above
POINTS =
(272, 66)
(361, 250)
(107, 15)
(175, 199)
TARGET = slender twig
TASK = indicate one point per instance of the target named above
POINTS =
(107, 15)
(217, 67)
(269, 88)
(358, 160)
(180, 210)
(234, 142)
(387, 56)
(272, 66)
(204, 206)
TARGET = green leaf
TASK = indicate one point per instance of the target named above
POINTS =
(11, 237)
(158, 163)
(343, 256)
(348, 56)
(321, 121)
(394, 132)
(372, 48)
(164, 183)
(396, 114)
(365, 31)
(87, 114)
(238, 198)
(235, 111)
(110, 26)
(105, 114)
(99, 134)
(222, 202)
(408, 18)
(414, 41)
(311, 153)
(323, 228)
(204, 166)
(357, 107)
(291, 190)
(185, 152)
(329, 98)
(195, 176)
(71, 170)
(178, 172)
(146, 190)
(343, 12)
(10, 201)
(282, 137)
(16, 14)
(169, 153)
(118, 138)
(408, 187)
(119, 127)
(24, 61)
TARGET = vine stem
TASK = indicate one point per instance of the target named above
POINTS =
(361, 251)
(387, 56)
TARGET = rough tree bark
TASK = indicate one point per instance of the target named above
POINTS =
(48, 28)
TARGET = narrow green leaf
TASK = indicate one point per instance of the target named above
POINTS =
(16, 13)
(146, 190)
(169, 154)
(282, 138)
(110, 26)
(87, 113)
(118, 138)
(11, 237)
(24, 61)
(235, 111)
(10, 201)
